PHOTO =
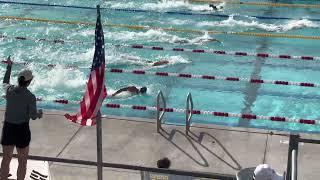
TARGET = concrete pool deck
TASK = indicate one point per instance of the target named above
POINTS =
(209, 148)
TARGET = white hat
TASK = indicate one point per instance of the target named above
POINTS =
(27, 74)
(265, 172)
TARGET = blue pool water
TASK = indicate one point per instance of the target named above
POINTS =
(235, 97)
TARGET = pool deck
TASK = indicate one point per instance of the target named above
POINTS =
(211, 148)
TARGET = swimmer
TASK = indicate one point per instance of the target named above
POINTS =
(199, 40)
(132, 58)
(215, 7)
(165, 1)
(158, 63)
(196, 40)
(132, 90)
(181, 41)
(208, 40)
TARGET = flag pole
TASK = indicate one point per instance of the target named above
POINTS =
(99, 146)
(99, 124)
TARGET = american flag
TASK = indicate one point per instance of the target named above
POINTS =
(95, 89)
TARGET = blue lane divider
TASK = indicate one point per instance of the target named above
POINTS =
(148, 11)
(50, 5)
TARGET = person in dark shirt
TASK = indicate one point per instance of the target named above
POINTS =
(20, 108)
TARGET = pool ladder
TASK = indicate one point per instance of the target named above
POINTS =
(161, 109)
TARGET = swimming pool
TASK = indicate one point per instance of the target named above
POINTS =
(215, 95)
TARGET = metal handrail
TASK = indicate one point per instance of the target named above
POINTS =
(160, 113)
(189, 110)
(293, 146)
(132, 167)
(294, 165)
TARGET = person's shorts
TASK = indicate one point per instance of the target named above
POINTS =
(16, 134)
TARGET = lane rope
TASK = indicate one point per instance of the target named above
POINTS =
(189, 76)
(156, 12)
(56, 41)
(260, 4)
(212, 77)
(222, 52)
(216, 113)
(195, 112)
(140, 27)
(176, 49)
(202, 1)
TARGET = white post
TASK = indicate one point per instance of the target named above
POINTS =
(294, 165)
(99, 146)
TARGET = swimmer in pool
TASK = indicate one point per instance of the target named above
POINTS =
(132, 90)
(157, 63)
(215, 7)
(165, 1)
(198, 40)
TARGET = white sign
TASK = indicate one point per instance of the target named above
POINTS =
(36, 170)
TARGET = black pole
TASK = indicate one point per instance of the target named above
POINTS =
(99, 147)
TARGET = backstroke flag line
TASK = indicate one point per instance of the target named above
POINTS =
(95, 89)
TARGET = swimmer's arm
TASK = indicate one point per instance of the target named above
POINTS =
(215, 40)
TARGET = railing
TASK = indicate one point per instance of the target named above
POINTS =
(162, 109)
(189, 112)
(160, 113)
(294, 165)
(132, 167)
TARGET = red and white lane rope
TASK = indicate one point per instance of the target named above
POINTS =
(25, 63)
(177, 49)
(220, 52)
(211, 77)
(59, 101)
(186, 75)
(197, 112)
(218, 114)
(21, 38)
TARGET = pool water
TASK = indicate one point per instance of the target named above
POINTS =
(213, 95)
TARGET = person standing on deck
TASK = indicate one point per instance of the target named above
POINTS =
(20, 107)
